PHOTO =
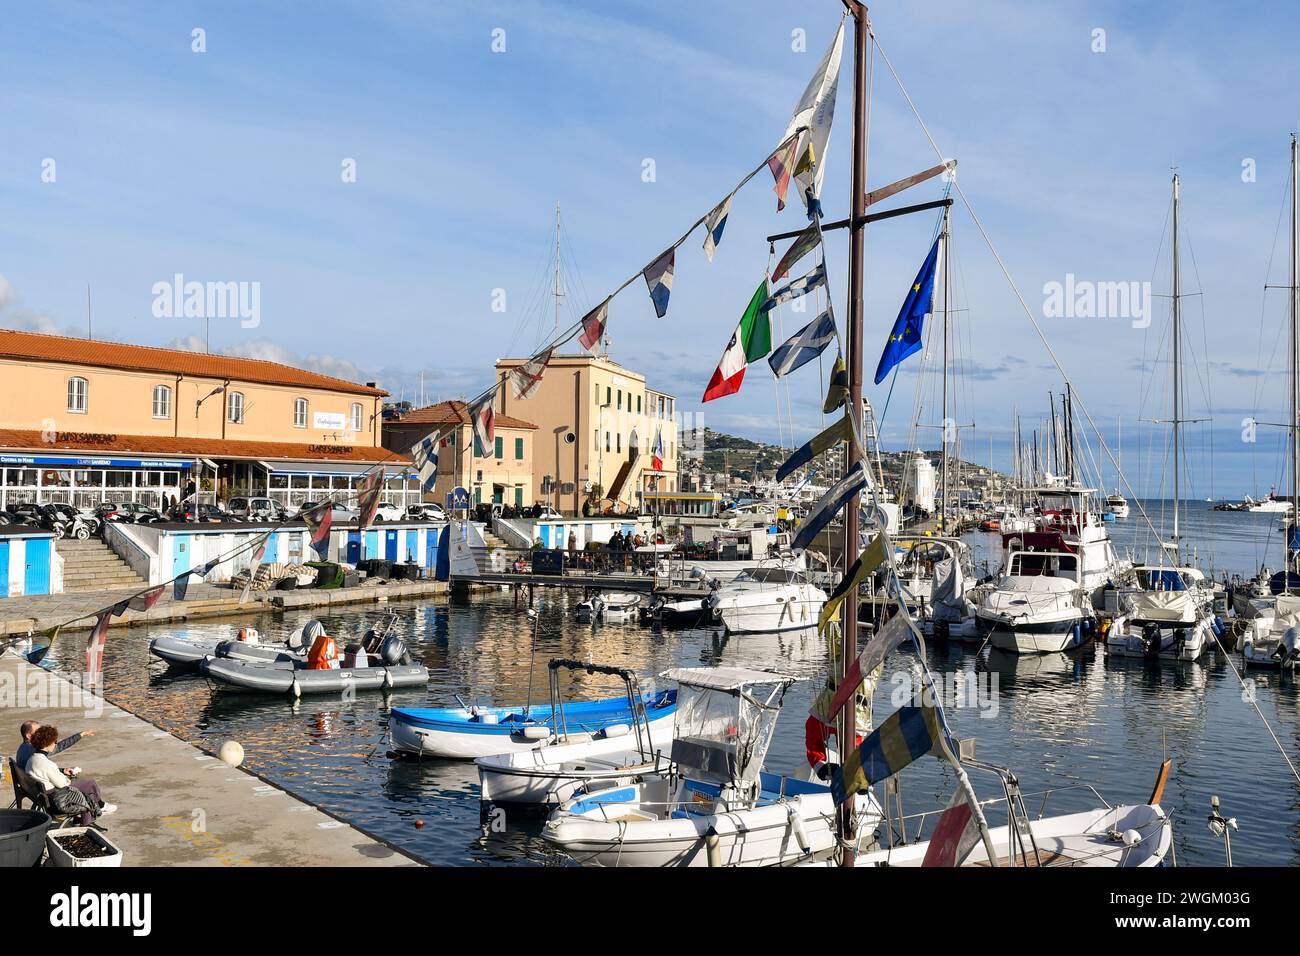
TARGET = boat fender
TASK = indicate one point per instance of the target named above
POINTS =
(388, 679)
(1218, 626)
(797, 828)
(296, 688)
(536, 732)
(712, 848)
(616, 730)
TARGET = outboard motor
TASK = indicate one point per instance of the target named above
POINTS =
(1286, 649)
(1151, 639)
(393, 651)
(371, 641)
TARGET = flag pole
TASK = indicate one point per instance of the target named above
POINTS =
(847, 731)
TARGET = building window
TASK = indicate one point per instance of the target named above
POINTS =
(606, 441)
(77, 395)
(607, 395)
(235, 407)
(356, 417)
(620, 399)
(638, 404)
(519, 449)
(300, 413)
(499, 442)
(162, 401)
(618, 443)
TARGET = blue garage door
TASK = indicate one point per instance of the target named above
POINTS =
(372, 544)
(354, 547)
(36, 576)
(412, 547)
(390, 545)
(272, 549)
(4, 568)
(430, 547)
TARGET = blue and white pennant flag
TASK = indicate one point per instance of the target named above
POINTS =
(659, 280)
(714, 223)
(804, 346)
(425, 455)
(793, 290)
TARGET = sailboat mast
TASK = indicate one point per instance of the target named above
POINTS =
(1295, 365)
(947, 335)
(847, 731)
(557, 291)
(1178, 411)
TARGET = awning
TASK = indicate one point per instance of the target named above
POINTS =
(333, 469)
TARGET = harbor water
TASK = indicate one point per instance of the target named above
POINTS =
(1063, 722)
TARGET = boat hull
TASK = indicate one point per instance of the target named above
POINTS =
(1023, 636)
(455, 734)
(297, 681)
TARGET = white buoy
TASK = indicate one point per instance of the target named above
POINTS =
(231, 752)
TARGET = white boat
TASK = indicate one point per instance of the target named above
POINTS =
(1174, 625)
(1270, 639)
(610, 606)
(1270, 505)
(938, 580)
(1038, 606)
(770, 597)
(716, 807)
(552, 774)
(1117, 505)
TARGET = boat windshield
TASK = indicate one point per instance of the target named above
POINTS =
(768, 575)
(1051, 564)
(721, 735)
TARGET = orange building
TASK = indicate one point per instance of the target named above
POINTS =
(85, 421)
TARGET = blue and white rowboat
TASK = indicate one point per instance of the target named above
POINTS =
(466, 733)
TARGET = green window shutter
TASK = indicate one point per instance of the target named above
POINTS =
(519, 496)
(500, 446)
(519, 449)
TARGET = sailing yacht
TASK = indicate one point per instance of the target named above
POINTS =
(1170, 613)
(1271, 638)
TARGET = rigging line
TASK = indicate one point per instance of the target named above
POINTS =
(1249, 695)
(1011, 281)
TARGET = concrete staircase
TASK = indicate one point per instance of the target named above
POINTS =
(91, 565)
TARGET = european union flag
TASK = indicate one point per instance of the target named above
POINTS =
(905, 337)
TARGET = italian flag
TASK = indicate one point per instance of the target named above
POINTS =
(751, 341)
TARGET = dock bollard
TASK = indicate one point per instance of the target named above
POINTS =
(231, 752)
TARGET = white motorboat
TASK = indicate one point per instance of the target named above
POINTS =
(1117, 505)
(1270, 505)
(1270, 638)
(552, 774)
(770, 597)
(938, 580)
(716, 806)
(1038, 606)
(611, 606)
(1175, 625)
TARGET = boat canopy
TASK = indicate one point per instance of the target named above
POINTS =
(725, 678)
(1178, 607)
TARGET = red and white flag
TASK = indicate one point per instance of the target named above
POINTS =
(146, 600)
(95, 645)
(593, 326)
(525, 377)
(483, 416)
(955, 835)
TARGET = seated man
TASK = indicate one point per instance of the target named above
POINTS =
(25, 749)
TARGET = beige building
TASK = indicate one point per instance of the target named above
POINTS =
(597, 423)
(503, 474)
(85, 421)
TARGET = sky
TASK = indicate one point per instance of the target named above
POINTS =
(135, 149)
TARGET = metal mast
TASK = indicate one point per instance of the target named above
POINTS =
(1177, 343)
(557, 292)
(1295, 364)
(847, 730)
(945, 422)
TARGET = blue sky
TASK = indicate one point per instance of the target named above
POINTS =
(225, 166)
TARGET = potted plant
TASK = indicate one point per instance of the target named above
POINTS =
(81, 847)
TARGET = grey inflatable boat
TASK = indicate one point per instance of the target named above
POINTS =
(276, 678)
(181, 652)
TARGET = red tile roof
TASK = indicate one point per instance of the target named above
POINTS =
(35, 346)
(451, 413)
(31, 441)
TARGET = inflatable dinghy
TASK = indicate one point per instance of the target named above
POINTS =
(184, 652)
(298, 680)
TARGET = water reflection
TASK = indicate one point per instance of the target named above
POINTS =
(1056, 719)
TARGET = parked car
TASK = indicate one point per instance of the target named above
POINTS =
(387, 512)
(201, 512)
(255, 509)
(341, 512)
(429, 511)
